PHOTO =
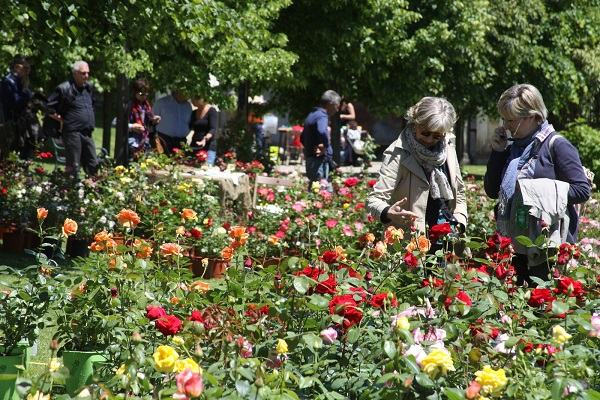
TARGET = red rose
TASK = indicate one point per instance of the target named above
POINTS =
(439, 230)
(196, 316)
(352, 181)
(372, 182)
(155, 312)
(383, 300)
(570, 287)
(435, 282)
(497, 240)
(504, 272)
(346, 307)
(168, 325)
(327, 286)
(539, 297)
(196, 234)
(329, 257)
(461, 297)
(410, 259)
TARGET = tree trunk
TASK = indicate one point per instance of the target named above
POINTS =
(336, 124)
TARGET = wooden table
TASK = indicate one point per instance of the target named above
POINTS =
(232, 185)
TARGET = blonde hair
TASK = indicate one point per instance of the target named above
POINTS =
(435, 114)
(521, 101)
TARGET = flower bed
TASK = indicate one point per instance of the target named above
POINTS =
(343, 314)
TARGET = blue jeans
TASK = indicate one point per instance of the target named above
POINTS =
(317, 168)
(212, 156)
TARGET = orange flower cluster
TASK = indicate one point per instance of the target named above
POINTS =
(422, 244)
(128, 218)
(392, 235)
(103, 241)
(239, 236)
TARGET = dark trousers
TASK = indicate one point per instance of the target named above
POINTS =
(525, 273)
(171, 142)
(80, 152)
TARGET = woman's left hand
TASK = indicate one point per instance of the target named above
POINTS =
(399, 215)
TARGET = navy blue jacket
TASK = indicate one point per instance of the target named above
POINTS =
(564, 166)
(315, 133)
(13, 96)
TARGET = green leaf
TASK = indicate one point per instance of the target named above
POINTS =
(525, 241)
(454, 394)
(411, 363)
(313, 340)
(353, 335)
(511, 341)
(306, 382)
(390, 349)
(558, 307)
(301, 284)
(592, 394)
(242, 387)
(319, 301)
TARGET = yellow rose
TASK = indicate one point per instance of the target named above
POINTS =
(492, 382)
(54, 364)
(559, 334)
(437, 363)
(346, 205)
(282, 347)
(403, 323)
(165, 358)
(121, 370)
(187, 363)
(178, 340)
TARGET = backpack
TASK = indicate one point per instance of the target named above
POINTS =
(589, 174)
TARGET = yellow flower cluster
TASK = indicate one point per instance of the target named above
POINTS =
(437, 363)
(560, 335)
(492, 381)
(166, 359)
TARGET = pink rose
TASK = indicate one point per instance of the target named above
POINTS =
(189, 384)
(595, 321)
(331, 223)
(329, 335)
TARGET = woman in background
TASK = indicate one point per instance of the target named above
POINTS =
(141, 118)
(204, 124)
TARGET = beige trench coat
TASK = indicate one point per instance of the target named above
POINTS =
(402, 176)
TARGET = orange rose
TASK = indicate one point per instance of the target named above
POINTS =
(227, 253)
(97, 246)
(180, 231)
(273, 240)
(144, 249)
(379, 250)
(128, 218)
(392, 235)
(340, 253)
(42, 213)
(370, 237)
(424, 244)
(189, 214)
(69, 227)
(102, 236)
(237, 232)
(171, 249)
(201, 286)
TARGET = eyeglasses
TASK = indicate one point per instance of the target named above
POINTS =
(142, 93)
(84, 72)
(436, 135)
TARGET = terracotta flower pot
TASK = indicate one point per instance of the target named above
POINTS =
(78, 247)
(199, 269)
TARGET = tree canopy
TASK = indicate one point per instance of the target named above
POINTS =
(385, 54)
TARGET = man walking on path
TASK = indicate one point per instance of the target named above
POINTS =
(315, 138)
(73, 102)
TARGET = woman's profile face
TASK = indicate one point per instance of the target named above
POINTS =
(426, 137)
(198, 102)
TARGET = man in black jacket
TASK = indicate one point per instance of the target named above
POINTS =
(73, 102)
(15, 97)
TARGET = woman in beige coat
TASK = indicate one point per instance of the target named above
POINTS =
(420, 181)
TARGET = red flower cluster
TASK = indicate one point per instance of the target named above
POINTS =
(345, 306)
(352, 181)
(166, 324)
(570, 287)
(324, 286)
(439, 230)
(44, 154)
(566, 252)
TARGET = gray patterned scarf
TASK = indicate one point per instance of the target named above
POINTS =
(431, 161)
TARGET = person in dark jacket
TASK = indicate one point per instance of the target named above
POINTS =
(521, 150)
(73, 102)
(203, 121)
(15, 97)
(316, 140)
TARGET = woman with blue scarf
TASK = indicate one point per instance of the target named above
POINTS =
(522, 149)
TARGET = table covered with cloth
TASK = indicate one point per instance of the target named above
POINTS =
(232, 185)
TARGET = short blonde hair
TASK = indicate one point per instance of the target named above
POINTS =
(435, 114)
(521, 101)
